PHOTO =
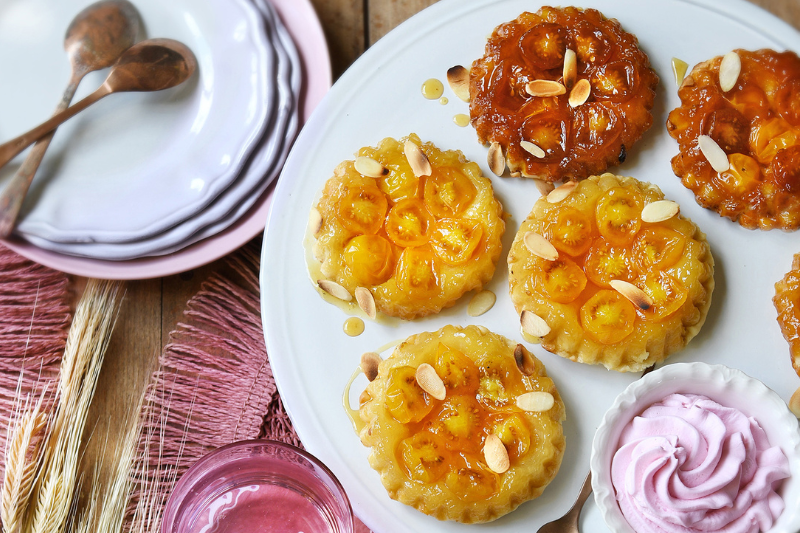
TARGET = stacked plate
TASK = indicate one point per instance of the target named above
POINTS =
(148, 174)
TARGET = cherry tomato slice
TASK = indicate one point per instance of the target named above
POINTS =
(458, 421)
(405, 399)
(458, 372)
(470, 479)
(657, 248)
(614, 81)
(514, 432)
(729, 129)
(399, 184)
(362, 209)
(668, 295)
(591, 45)
(769, 136)
(448, 192)
(607, 317)
(618, 215)
(605, 262)
(549, 132)
(743, 175)
(409, 223)
(424, 457)
(455, 240)
(595, 125)
(786, 169)
(787, 102)
(500, 381)
(544, 45)
(417, 272)
(561, 280)
(570, 231)
(370, 259)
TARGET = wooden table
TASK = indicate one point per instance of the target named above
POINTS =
(152, 308)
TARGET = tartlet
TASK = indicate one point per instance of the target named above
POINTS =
(417, 240)
(787, 303)
(755, 124)
(575, 133)
(432, 454)
(618, 291)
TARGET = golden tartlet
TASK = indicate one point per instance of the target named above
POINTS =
(417, 243)
(605, 249)
(577, 138)
(432, 454)
(756, 124)
(787, 302)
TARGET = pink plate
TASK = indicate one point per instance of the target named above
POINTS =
(301, 20)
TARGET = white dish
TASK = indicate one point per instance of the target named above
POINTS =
(727, 386)
(136, 164)
(380, 96)
(233, 202)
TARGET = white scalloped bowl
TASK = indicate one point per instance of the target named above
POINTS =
(726, 386)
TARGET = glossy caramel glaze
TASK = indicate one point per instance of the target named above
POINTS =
(578, 141)
(757, 124)
(787, 302)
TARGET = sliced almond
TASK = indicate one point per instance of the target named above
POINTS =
(570, 68)
(430, 382)
(420, 165)
(660, 211)
(481, 302)
(794, 403)
(524, 360)
(335, 290)
(496, 159)
(729, 70)
(637, 296)
(533, 324)
(539, 246)
(458, 78)
(532, 149)
(544, 187)
(713, 153)
(314, 221)
(536, 402)
(580, 93)
(560, 193)
(369, 364)
(495, 454)
(367, 166)
(366, 302)
(544, 88)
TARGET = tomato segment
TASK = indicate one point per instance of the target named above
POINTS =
(399, 185)
(786, 169)
(448, 192)
(544, 45)
(605, 262)
(405, 400)
(607, 317)
(409, 223)
(657, 248)
(618, 215)
(743, 175)
(729, 129)
(470, 479)
(770, 136)
(370, 259)
(458, 422)
(613, 81)
(668, 295)
(570, 231)
(455, 240)
(362, 209)
(423, 456)
(561, 280)
(515, 434)
(417, 272)
(458, 372)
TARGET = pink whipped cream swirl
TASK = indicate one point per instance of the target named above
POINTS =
(688, 464)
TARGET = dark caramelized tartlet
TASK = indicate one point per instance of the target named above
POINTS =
(787, 302)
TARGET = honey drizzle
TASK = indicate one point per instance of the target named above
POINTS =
(461, 120)
(432, 89)
(351, 413)
(353, 326)
(679, 70)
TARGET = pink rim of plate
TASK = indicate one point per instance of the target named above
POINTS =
(301, 20)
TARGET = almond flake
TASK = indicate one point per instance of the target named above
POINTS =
(334, 289)
(570, 68)
(539, 246)
(713, 153)
(532, 149)
(544, 88)
(729, 70)
(536, 402)
(495, 454)
(544, 187)
(524, 360)
(314, 221)
(481, 302)
(496, 159)
(633, 293)
(420, 165)
(458, 78)
(533, 324)
(366, 302)
(367, 166)
(660, 211)
(430, 382)
(369, 364)
(794, 403)
(560, 193)
(580, 93)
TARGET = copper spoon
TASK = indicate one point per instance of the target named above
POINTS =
(150, 65)
(95, 39)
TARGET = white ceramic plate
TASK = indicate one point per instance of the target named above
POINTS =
(237, 199)
(379, 96)
(136, 164)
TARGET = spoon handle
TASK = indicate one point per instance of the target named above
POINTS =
(10, 149)
(13, 195)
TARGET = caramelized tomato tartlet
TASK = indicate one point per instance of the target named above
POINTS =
(416, 239)
(751, 112)
(612, 274)
(568, 81)
(787, 302)
(491, 441)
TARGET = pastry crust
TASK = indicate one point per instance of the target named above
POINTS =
(416, 243)
(669, 260)
(787, 302)
(534, 440)
(580, 140)
(757, 125)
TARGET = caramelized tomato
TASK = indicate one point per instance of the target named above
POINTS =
(570, 231)
(409, 223)
(561, 280)
(362, 209)
(448, 192)
(455, 241)
(405, 400)
(605, 262)
(657, 248)
(370, 259)
(618, 215)
(417, 272)
(607, 317)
